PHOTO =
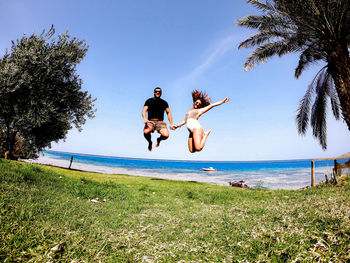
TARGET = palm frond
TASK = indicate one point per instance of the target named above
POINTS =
(307, 57)
(302, 117)
(258, 39)
(333, 95)
(250, 21)
(268, 6)
(275, 22)
(318, 120)
(319, 109)
(264, 52)
(254, 40)
(269, 36)
(291, 45)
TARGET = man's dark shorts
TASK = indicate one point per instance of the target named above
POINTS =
(156, 125)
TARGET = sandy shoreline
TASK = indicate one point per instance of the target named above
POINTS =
(271, 181)
(117, 170)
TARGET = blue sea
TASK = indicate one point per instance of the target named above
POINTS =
(287, 174)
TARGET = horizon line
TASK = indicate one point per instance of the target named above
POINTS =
(179, 160)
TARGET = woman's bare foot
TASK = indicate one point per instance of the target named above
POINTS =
(158, 142)
(206, 134)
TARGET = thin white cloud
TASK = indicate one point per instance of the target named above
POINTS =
(223, 46)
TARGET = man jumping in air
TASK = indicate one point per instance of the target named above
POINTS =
(155, 108)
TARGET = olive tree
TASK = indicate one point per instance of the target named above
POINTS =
(41, 95)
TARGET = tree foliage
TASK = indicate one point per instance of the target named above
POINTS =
(319, 31)
(40, 93)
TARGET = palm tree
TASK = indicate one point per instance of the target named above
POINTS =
(320, 31)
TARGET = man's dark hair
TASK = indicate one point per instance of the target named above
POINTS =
(157, 89)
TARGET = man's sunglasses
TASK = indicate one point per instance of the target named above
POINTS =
(157, 91)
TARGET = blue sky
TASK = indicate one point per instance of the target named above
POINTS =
(178, 46)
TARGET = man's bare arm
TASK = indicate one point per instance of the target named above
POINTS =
(144, 114)
(170, 117)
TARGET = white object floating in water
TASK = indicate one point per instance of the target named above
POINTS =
(210, 169)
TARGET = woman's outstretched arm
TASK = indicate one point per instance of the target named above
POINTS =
(181, 123)
(205, 109)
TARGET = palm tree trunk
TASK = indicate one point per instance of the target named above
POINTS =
(343, 90)
(339, 65)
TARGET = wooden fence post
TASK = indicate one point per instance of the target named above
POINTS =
(336, 168)
(312, 173)
(71, 160)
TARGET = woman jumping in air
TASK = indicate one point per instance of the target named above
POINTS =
(201, 104)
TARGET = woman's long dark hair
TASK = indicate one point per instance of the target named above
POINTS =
(202, 96)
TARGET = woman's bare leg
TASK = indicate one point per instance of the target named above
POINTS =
(190, 143)
(204, 139)
(199, 138)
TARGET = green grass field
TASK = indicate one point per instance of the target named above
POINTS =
(154, 220)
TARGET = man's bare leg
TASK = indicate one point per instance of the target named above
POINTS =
(159, 139)
(147, 134)
(164, 134)
(149, 140)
